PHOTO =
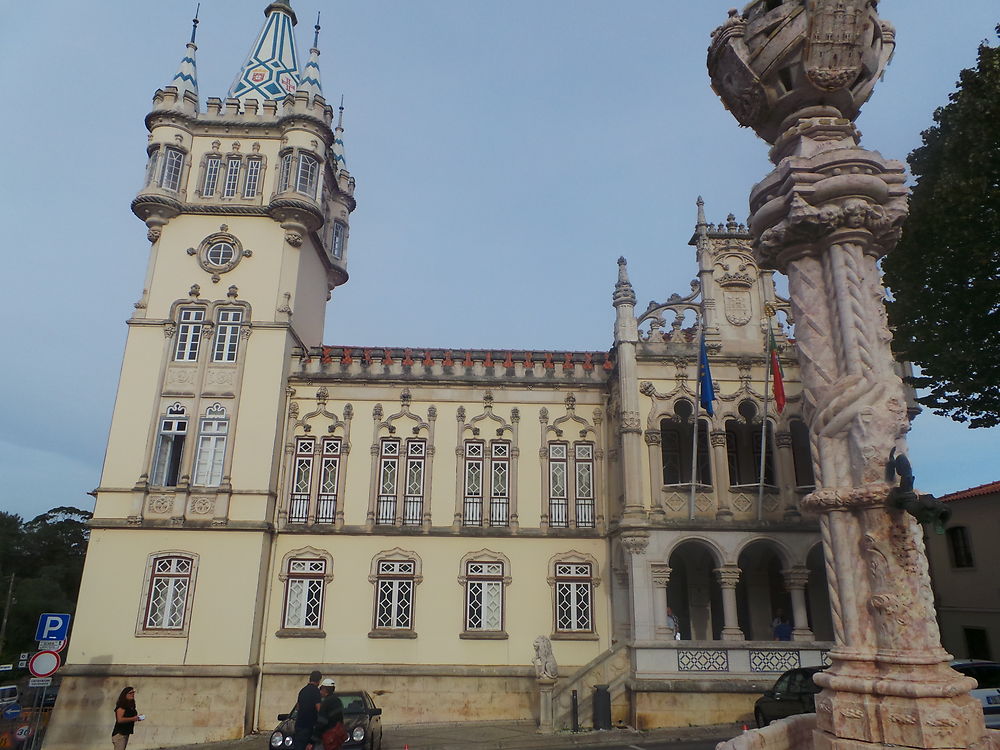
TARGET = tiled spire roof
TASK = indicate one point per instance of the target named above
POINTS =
(271, 70)
(337, 151)
(310, 82)
(186, 78)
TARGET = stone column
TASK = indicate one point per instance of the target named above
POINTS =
(660, 574)
(640, 603)
(728, 577)
(785, 468)
(654, 444)
(795, 581)
(720, 474)
(824, 217)
(546, 712)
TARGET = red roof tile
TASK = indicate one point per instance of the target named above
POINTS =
(983, 489)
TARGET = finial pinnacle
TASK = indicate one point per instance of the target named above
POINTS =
(317, 27)
(340, 114)
(194, 22)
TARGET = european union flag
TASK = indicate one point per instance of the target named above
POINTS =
(705, 380)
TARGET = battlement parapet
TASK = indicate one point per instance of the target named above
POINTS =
(300, 107)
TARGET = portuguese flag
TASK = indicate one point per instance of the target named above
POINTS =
(776, 376)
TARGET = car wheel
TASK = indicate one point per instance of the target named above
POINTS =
(759, 719)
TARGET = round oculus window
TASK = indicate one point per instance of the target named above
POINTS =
(220, 254)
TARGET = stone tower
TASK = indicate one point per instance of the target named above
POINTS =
(247, 206)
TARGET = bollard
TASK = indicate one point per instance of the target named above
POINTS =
(576, 712)
(602, 707)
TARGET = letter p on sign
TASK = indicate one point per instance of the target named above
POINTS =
(52, 627)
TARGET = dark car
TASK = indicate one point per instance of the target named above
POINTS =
(987, 674)
(793, 693)
(362, 720)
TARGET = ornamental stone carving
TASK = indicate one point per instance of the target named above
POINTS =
(202, 505)
(635, 542)
(631, 422)
(653, 437)
(727, 577)
(160, 503)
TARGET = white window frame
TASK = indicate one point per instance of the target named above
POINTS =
(172, 169)
(415, 481)
(213, 165)
(231, 186)
(329, 477)
(307, 175)
(191, 322)
(213, 434)
(285, 173)
(305, 591)
(229, 322)
(484, 600)
(251, 181)
(558, 485)
(170, 579)
(169, 450)
(395, 588)
(388, 481)
(338, 240)
(573, 578)
(584, 496)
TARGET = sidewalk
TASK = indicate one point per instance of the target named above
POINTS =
(496, 736)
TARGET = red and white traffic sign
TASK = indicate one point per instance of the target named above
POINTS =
(44, 663)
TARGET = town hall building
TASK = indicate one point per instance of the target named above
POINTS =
(276, 498)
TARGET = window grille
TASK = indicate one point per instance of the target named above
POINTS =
(574, 597)
(304, 593)
(499, 483)
(169, 586)
(326, 503)
(232, 177)
(473, 509)
(584, 485)
(388, 476)
(484, 596)
(302, 468)
(211, 448)
(558, 489)
(227, 335)
(212, 166)
(413, 500)
(252, 181)
(189, 334)
(394, 594)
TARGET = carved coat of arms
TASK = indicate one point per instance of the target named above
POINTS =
(738, 306)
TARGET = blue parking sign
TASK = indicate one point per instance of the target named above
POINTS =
(52, 627)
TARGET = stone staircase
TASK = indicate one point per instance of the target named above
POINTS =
(610, 668)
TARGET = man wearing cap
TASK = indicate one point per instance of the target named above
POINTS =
(305, 716)
(329, 732)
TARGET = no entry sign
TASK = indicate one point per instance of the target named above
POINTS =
(43, 663)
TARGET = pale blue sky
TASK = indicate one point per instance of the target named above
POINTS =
(506, 153)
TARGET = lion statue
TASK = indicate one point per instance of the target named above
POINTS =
(545, 660)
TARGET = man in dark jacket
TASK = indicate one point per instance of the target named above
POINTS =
(329, 732)
(307, 710)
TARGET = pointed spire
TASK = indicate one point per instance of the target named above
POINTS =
(310, 82)
(271, 70)
(186, 78)
(701, 213)
(337, 151)
(624, 294)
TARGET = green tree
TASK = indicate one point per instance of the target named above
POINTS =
(945, 272)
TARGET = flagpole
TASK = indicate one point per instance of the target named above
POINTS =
(694, 436)
(768, 311)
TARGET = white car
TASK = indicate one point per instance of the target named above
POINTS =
(987, 674)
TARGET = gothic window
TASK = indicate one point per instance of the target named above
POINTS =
(675, 446)
(189, 334)
(574, 597)
(487, 478)
(232, 182)
(308, 173)
(154, 163)
(329, 474)
(304, 588)
(302, 471)
(484, 595)
(801, 454)
(960, 547)
(388, 477)
(251, 183)
(169, 591)
(169, 447)
(413, 499)
(227, 334)
(173, 164)
(339, 237)
(394, 590)
(584, 485)
(285, 173)
(213, 165)
(558, 485)
(212, 435)
(743, 447)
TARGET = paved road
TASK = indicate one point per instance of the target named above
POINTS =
(668, 745)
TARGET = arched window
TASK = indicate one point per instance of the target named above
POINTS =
(212, 436)
(801, 454)
(395, 573)
(743, 447)
(169, 587)
(676, 435)
(306, 573)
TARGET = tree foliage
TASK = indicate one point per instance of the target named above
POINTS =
(945, 272)
(46, 556)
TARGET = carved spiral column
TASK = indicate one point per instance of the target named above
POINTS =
(824, 217)
(728, 577)
(795, 581)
